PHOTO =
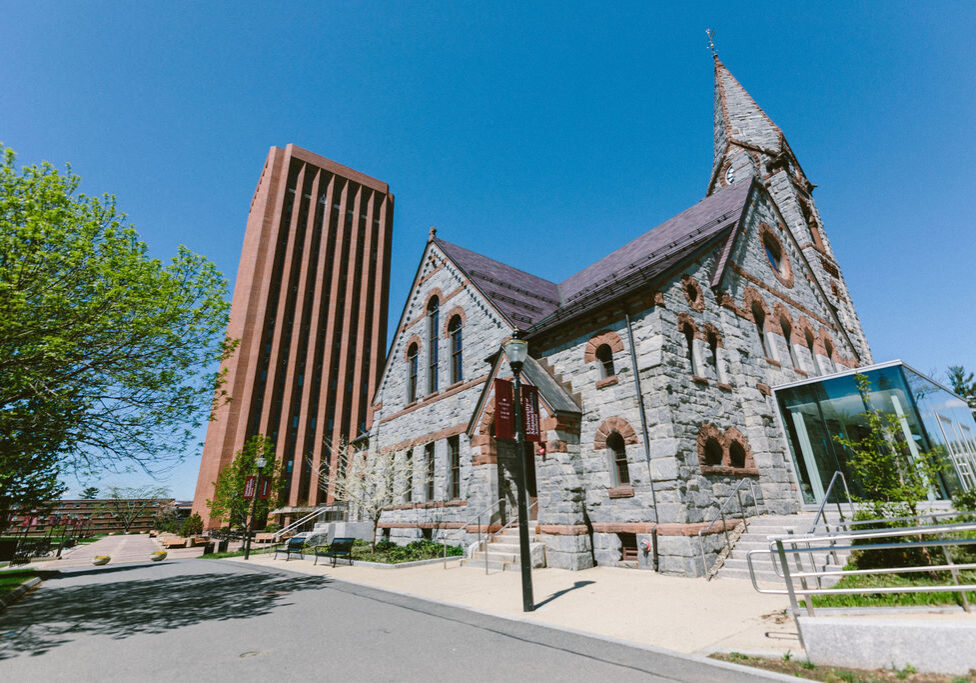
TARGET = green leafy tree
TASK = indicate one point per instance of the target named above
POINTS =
(964, 384)
(106, 354)
(90, 493)
(129, 504)
(228, 503)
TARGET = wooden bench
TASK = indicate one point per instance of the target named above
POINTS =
(294, 545)
(340, 547)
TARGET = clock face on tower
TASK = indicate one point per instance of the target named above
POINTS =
(729, 175)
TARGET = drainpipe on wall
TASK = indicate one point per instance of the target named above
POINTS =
(647, 442)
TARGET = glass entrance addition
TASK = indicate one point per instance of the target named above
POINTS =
(931, 417)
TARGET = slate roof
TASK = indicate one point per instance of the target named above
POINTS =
(532, 303)
(522, 297)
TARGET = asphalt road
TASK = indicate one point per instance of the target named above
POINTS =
(221, 621)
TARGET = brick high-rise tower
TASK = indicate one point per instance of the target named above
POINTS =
(310, 307)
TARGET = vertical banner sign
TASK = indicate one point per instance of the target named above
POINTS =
(530, 412)
(264, 490)
(250, 483)
(504, 410)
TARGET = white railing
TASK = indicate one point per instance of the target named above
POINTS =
(737, 495)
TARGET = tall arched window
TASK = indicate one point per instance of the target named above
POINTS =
(713, 354)
(788, 336)
(618, 454)
(605, 356)
(457, 368)
(412, 363)
(830, 355)
(433, 314)
(713, 453)
(813, 354)
(689, 332)
(760, 319)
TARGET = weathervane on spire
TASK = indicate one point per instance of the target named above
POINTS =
(711, 41)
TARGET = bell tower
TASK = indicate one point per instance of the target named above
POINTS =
(748, 144)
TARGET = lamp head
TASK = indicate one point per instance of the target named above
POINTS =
(261, 462)
(516, 350)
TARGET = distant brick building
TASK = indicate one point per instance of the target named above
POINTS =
(737, 294)
(310, 309)
(97, 516)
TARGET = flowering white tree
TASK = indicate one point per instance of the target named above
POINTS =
(367, 480)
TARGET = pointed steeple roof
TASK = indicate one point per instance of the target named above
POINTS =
(740, 121)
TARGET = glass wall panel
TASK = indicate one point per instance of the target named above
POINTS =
(814, 413)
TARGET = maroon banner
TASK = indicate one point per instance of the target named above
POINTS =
(504, 410)
(250, 483)
(530, 412)
(264, 490)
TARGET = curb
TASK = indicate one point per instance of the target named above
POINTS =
(18, 592)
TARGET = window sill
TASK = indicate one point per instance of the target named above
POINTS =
(730, 471)
(430, 395)
(802, 373)
(723, 386)
(454, 386)
(772, 361)
(622, 492)
(607, 382)
(699, 380)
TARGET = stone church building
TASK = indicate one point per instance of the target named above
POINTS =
(654, 367)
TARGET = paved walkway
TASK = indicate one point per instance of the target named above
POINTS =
(123, 549)
(686, 615)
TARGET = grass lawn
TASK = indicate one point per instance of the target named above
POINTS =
(11, 578)
(897, 599)
(790, 665)
(385, 553)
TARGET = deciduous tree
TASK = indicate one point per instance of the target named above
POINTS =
(964, 384)
(228, 503)
(107, 355)
(128, 504)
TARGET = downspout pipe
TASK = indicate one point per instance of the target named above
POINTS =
(647, 441)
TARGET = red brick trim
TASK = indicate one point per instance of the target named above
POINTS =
(607, 382)
(414, 339)
(426, 438)
(434, 398)
(610, 425)
(795, 304)
(764, 389)
(563, 529)
(697, 379)
(693, 293)
(685, 320)
(484, 528)
(709, 432)
(708, 329)
(785, 276)
(723, 386)
(608, 337)
(455, 503)
(622, 492)
(772, 361)
(690, 529)
(456, 311)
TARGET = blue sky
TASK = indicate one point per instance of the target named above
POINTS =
(542, 134)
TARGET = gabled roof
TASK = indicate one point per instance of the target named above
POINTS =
(532, 303)
(521, 297)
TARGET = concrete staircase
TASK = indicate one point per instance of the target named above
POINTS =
(757, 537)
(503, 551)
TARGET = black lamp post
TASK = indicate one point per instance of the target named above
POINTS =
(516, 350)
(260, 462)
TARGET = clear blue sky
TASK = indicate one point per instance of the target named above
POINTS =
(542, 134)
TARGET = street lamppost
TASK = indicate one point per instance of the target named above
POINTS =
(517, 350)
(260, 462)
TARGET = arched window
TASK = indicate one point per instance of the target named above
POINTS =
(760, 319)
(454, 330)
(813, 354)
(774, 254)
(830, 355)
(618, 455)
(737, 454)
(433, 314)
(713, 452)
(412, 363)
(788, 336)
(713, 354)
(689, 333)
(605, 356)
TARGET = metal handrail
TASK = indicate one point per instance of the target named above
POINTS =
(737, 493)
(820, 510)
(489, 535)
(303, 520)
(808, 543)
(477, 517)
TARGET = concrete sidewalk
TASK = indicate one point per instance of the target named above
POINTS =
(122, 548)
(692, 616)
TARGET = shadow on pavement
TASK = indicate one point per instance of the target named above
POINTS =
(118, 609)
(557, 594)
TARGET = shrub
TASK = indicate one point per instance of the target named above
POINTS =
(965, 500)
(192, 525)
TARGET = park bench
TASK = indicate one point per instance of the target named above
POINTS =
(294, 545)
(340, 547)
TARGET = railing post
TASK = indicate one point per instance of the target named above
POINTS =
(794, 607)
(954, 572)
